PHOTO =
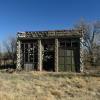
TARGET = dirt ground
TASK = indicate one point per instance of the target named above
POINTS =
(49, 86)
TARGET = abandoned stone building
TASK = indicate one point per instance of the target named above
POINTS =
(58, 50)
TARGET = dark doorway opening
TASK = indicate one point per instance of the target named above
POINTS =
(48, 55)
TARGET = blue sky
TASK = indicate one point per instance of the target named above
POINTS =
(33, 15)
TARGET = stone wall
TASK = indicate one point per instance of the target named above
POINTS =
(18, 54)
(81, 55)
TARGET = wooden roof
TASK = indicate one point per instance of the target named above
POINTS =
(49, 34)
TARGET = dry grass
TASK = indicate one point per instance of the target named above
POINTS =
(49, 86)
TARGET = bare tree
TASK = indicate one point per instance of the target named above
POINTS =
(10, 47)
(91, 37)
